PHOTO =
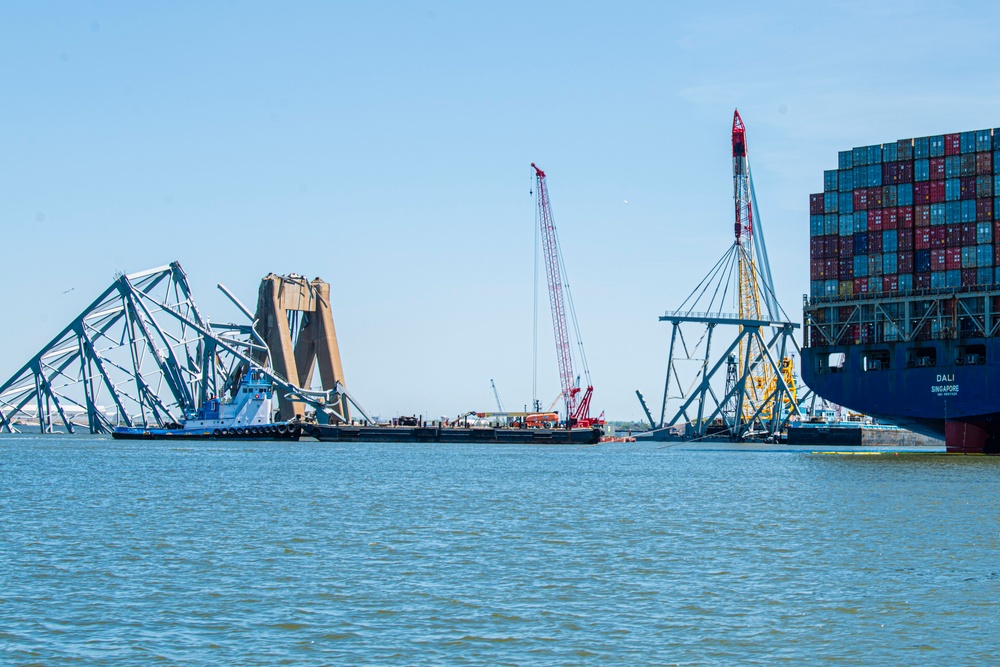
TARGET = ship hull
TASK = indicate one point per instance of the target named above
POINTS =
(261, 432)
(921, 386)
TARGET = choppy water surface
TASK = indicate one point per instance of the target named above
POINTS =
(325, 554)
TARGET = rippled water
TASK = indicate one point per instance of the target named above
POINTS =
(327, 554)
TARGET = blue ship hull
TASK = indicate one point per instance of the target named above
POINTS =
(927, 386)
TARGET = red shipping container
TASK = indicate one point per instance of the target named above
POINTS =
(984, 210)
(968, 184)
(860, 286)
(938, 258)
(996, 230)
(922, 238)
(939, 236)
(890, 172)
(845, 269)
(904, 262)
(969, 234)
(845, 312)
(846, 247)
(952, 144)
(905, 216)
(874, 244)
(830, 269)
(816, 204)
(904, 241)
(921, 193)
(890, 218)
(832, 246)
(937, 170)
(905, 172)
(875, 220)
(996, 254)
(921, 280)
(922, 216)
(861, 199)
(968, 277)
(984, 164)
(953, 236)
(815, 248)
(890, 283)
(815, 269)
(937, 192)
(952, 259)
(874, 198)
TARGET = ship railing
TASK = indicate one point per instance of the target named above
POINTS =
(903, 294)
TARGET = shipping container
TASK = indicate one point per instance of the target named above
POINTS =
(874, 266)
(845, 180)
(861, 285)
(860, 246)
(905, 282)
(904, 241)
(830, 202)
(968, 187)
(888, 195)
(845, 159)
(860, 221)
(936, 146)
(845, 202)
(921, 280)
(939, 236)
(875, 154)
(937, 170)
(952, 212)
(968, 277)
(984, 140)
(890, 218)
(984, 232)
(904, 262)
(860, 268)
(968, 142)
(984, 275)
(953, 278)
(984, 187)
(937, 280)
(922, 238)
(890, 241)
(968, 207)
(921, 148)
(904, 194)
(984, 164)
(830, 181)
(846, 224)
(889, 263)
(904, 149)
(830, 224)
(968, 257)
(938, 260)
(984, 255)
(860, 156)
(952, 144)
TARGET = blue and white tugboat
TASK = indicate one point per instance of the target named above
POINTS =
(245, 416)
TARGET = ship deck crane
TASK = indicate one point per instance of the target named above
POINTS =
(577, 408)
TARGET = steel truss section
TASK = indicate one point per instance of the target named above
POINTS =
(137, 355)
(739, 410)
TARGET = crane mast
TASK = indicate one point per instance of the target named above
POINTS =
(557, 301)
(749, 279)
(577, 409)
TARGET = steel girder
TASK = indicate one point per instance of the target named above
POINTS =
(141, 353)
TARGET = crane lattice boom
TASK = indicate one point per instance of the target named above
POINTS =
(557, 301)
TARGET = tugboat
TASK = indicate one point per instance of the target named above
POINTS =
(246, 416)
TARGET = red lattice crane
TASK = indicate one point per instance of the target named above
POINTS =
(577, 410)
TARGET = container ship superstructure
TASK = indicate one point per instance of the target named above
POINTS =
(903, 315)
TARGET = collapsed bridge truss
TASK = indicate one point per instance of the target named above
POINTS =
(141, 354)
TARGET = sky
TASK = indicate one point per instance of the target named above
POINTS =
(385, 147)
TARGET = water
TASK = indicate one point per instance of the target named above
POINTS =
(132, 553)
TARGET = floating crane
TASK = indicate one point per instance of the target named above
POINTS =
(760, 393)
(577, 408)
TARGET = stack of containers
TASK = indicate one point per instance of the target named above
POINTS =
(910, 215)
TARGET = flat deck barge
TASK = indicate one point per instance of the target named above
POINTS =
(448, 434)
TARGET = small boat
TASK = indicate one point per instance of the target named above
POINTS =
(244, 416)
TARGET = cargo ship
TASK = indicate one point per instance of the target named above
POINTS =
(903, 312)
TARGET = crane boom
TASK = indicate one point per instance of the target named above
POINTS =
(557, 301)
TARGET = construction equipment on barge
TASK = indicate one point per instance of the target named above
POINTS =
(758, 392)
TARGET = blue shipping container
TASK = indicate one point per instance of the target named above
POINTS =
(845, 159)
(922, 261)
(890, 242)
(969, 257)
(921, 147)
(875, 154)
(860, 222)
(845, 180)
(984, 254)
(846, 223)
(831, 224)
(846, 202)
(904, 194)
(830, 202)
(952, 212)
(815, 225)
(889, 263)
(860, 245)
(874, 175)
(921, 170)
(984, 275)
(889, 152)
(968, 210)
(936, 146)
(953, 166)
(860, 156)
(967, 140)
(953, 278)
(874, 265)
(938, 280)
(860, 266)
(984, 141)
(830, 181)
(937, 214)
(905, 282)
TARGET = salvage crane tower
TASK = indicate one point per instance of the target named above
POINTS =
(760, 389)
(577, 409)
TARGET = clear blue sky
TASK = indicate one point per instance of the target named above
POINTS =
(385, 147)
